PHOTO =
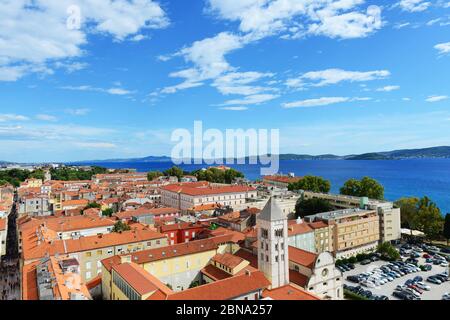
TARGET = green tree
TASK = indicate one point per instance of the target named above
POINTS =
(447, 227)
(366, 187)
(152, 175)
(388, 251)
(119, 226)
(429, 219)
(91, 205)
(108, 212)
(311, 206)
(408, 211)
(311, 183)
(217, 176)
(174, 172)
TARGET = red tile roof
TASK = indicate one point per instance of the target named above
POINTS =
(225, 289)
(302, 257)
(172, 251)
(318, 225)
(288, 292)
(196, 190)
(228, 260)
(295, 228)
(139, 279)
(298, 278)
(3, 224)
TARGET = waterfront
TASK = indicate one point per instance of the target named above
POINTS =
(400, 178)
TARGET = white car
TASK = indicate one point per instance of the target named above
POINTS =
(423, 286)
(446, 296)
(444, 264)
(368, 284)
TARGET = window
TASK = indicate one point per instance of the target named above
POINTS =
(88, 254)
(88, 275)
(99, 252)
(88, 265)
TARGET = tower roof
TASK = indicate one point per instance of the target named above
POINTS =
(272, 211)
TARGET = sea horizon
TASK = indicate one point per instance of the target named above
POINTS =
(400, 178)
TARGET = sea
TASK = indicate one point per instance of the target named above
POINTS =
(400, 178)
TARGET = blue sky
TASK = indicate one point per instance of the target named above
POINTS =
(335, 76)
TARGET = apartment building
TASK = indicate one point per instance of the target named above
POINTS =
(186, 196)
(354, 230)
(35, 204)
(54, 278)
(38, 240)
(389, 217)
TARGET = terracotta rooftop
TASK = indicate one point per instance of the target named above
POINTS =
(142, 211)
(199, 190)
(295, 228)
(225, 289)
(139, 279)
(288, 292)
(3, 224)
(218, 274)
(33, 248)
(228, 260)
(302, 257)
(318, 225)
(297, 278)
(173, 251)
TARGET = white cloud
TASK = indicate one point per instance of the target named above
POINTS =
(252, 99)
(443, 48)
(436, 98)
(78, 112)
(235, 108)
(12, 117)
(44, 34)
(316, 102)
(414, 5)
(334, 76)
(112, 91)
(324, 101)
(293, 19)
(240, 83)
(46, 117)
(388, 88)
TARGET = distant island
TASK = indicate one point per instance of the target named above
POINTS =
(425, 153)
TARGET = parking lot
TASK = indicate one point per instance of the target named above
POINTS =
(387, 289)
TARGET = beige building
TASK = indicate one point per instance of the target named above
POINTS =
(389, 217)
(354, 230)
(185, 196)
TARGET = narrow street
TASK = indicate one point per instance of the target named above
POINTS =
(9, 268)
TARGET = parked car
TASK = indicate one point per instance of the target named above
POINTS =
(434, 280)
(365, 262)
(423, 286)
(354, 279)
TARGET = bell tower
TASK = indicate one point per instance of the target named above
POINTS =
(273, 258)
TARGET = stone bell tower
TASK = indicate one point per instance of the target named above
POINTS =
(273, 258)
